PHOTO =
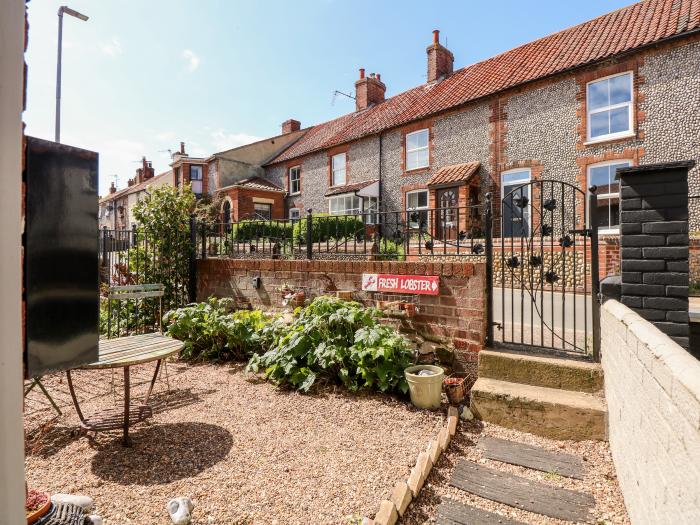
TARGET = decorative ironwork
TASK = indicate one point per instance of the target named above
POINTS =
(545, 278)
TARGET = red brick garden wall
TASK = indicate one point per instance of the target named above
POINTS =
(457, 314)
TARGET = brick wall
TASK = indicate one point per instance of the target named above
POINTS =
(457, 314)
(652, 389)
(654, 245)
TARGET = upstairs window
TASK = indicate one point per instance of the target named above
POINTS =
(295, 180)
(609, 106)
(417, 155)
(196, 179)
(608, 192)
(338, 168)
(177, 177)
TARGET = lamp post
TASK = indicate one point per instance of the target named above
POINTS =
(80, 16)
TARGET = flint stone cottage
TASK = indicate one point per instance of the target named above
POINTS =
(619, 90)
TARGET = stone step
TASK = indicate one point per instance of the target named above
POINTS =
(548, 412)
(539, 370)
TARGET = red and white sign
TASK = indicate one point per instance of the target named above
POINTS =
(415, 284)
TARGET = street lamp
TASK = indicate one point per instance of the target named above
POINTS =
(80, 16)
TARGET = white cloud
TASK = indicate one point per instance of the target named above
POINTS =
(223, 140)
(112, 48)
(192, 60)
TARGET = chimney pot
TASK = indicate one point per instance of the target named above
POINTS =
(368, 91)
(440, 59)
(379, 77)
(113, 188)
(182, 148)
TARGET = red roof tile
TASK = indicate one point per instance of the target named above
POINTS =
(255, 183)
(454, 173)
(603, 37)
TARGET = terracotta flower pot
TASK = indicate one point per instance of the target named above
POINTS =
(34, 515)
(454, 389)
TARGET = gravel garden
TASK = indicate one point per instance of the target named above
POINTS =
(294, 418)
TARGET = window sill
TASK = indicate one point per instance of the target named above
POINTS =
(293, 194)
(610, 138)
(608, 231)
(416, 171)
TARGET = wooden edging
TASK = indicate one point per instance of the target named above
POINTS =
(406, 491)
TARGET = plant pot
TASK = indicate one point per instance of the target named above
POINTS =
(425, 390)
(299, 299)
(35, 515)
(454, 388)
(409, 308)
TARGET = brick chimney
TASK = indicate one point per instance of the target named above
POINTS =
(368, 91)
(182, 148)
(440, 59)
(146, 169)
(113, 188)
(291, 125)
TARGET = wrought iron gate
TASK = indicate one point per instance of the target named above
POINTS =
(545, 271)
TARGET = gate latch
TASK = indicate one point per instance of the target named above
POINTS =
(587, 232)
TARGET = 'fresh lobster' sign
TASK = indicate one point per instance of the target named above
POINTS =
(415, 284)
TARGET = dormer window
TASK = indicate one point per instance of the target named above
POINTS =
(609, 107)
(417, 154)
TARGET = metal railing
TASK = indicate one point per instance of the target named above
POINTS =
(378, 235)
(138, 256)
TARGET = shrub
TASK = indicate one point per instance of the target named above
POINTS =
(251, 230)
(336, 340)
(325, 227)
(210, 331)
(390, 251)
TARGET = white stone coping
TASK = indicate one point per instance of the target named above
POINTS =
(678, 368)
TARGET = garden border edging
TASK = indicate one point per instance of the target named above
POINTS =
(406, 491)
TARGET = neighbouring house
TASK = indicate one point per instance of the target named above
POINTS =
(116, 208)
(237, 175)
(190, 170)
(619, 90)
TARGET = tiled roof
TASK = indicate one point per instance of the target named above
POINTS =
(635, 26)
(350, 188)
(454, 173)
(254, 183)
(133, 189)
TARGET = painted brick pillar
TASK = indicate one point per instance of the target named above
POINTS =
(654, 244)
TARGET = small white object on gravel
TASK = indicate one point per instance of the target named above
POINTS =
(180, 510)
(95, 519)
(465, 413)
(85, 502)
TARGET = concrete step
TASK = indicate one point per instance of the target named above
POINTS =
(548, 412)
(538, 370)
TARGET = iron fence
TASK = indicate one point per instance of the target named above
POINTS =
(139, 256)
(378, 235)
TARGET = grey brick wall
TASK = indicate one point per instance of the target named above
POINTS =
(654, 246)
(653, 397)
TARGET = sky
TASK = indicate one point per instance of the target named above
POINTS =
(140, 76)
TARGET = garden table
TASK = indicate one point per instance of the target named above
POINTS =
(125, 352)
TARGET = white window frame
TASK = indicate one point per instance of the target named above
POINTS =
(610, 136)
(416, 208)
(297, 170)
(520, 181)
(347, 211)
(606, 229)
(372, 215)
(338, 170)
(294, 211)
(425, 131)
(197, 184)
